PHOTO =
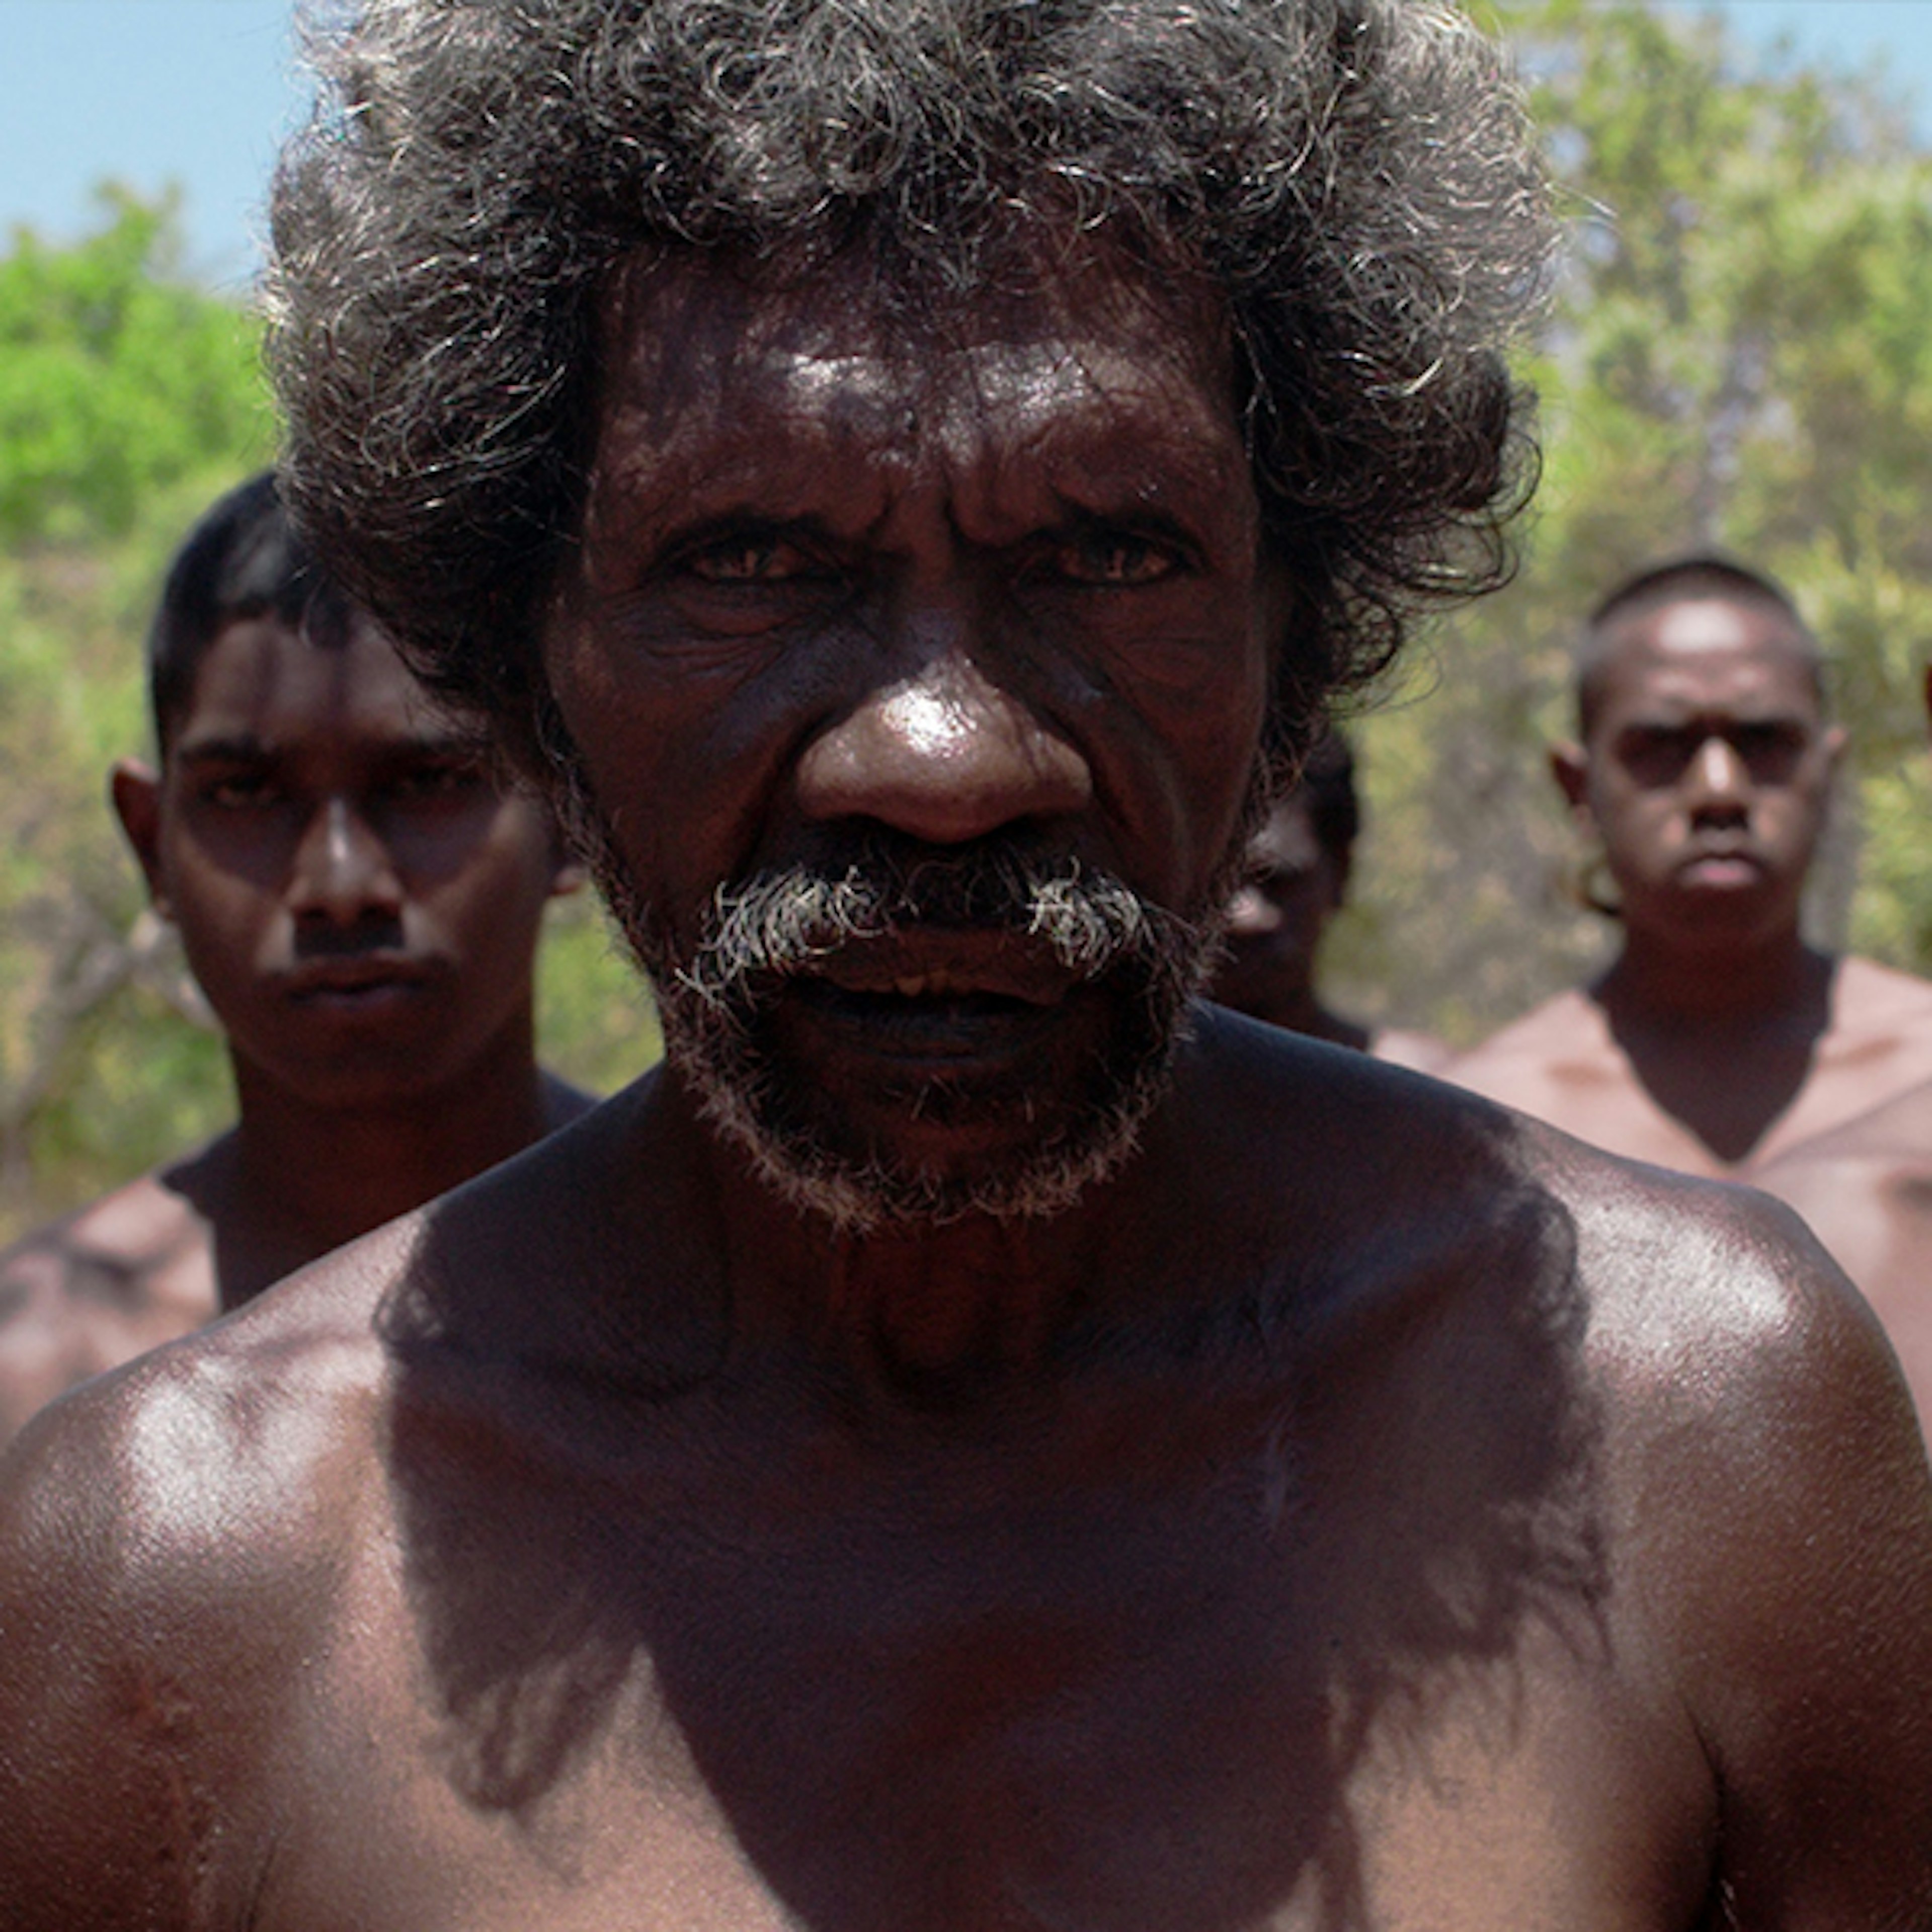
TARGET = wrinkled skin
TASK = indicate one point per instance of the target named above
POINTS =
(1364, 1509)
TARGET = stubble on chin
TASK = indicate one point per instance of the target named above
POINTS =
(716, 997)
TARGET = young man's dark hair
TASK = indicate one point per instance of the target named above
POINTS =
(1296, 880)
(1697, 575)
(1328, 785)
(243, 560)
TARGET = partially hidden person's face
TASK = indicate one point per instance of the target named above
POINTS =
(1708, 769)
(917, 688)
(1275, 922)
(359, 900)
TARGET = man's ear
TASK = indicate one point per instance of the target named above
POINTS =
(1835, 739)
(567, 878)
(135, 791)
(1570, 768)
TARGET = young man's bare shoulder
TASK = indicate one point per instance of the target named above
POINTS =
(1867, 998)
(1553, 1046)
(98, 1287)
(1859, 1185)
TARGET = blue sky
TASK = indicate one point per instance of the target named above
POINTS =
(198, 92)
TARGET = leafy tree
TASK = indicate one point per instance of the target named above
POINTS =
(1736, 356)
(117, 380)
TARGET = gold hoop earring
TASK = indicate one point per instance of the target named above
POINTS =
(1594, 886)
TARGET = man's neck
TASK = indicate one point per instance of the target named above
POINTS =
(1659, 983)
(293, 1181)
(909, 1318)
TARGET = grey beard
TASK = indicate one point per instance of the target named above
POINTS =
(715, 999)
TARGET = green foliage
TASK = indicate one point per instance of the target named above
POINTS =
(594, 1020)
(117, 380)
(1735, 357)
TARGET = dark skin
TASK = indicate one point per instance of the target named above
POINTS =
(360, 901)
(1295, 884)
(1294, 887)
(1315, 1526)
(1717, 1039)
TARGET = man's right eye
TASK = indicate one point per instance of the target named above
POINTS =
(236, 792)
(1656, 755)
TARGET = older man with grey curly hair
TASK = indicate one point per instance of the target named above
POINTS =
(980, 1441)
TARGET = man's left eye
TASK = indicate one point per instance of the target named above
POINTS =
(749, 560)
(1117, 558)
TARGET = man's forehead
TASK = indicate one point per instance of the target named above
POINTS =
(1708, 640)
(682, 325)
(262, 678)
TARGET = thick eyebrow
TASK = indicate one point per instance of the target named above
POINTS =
(452, 745)
(243, 747)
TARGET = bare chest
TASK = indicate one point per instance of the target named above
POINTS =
(1149, 1750)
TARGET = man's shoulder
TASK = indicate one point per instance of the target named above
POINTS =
(228, 1400)
(98, 1286)
(171, 1536)
(127, 1234)
(1561, 1041)
(1897, 1134)
(1869, 997)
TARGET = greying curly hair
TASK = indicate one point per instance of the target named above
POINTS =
(1350, 180)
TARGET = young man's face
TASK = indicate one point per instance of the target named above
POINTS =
(924, 616)
(359, 900)
(1708, 769)
(1276, 921)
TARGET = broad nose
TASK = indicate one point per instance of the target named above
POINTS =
(945, 754)
(1251, 913)
(343, 872)
(1719, 782)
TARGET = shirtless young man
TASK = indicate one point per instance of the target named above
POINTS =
(954, 1451)
(1866, 1189)
(1296, 878)
(1717, 1038)
(360, 902)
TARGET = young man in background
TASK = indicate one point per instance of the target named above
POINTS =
(1297, 879)
(1717, 1037)
(360, 901)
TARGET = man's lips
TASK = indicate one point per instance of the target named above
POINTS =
(939, 997)
(945, 964)
(353, 981)
(1722, 865)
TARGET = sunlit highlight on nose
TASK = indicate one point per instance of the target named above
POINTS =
(926, 720)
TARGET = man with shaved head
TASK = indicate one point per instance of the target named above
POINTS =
(1717, 1038)
(981, 1441)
